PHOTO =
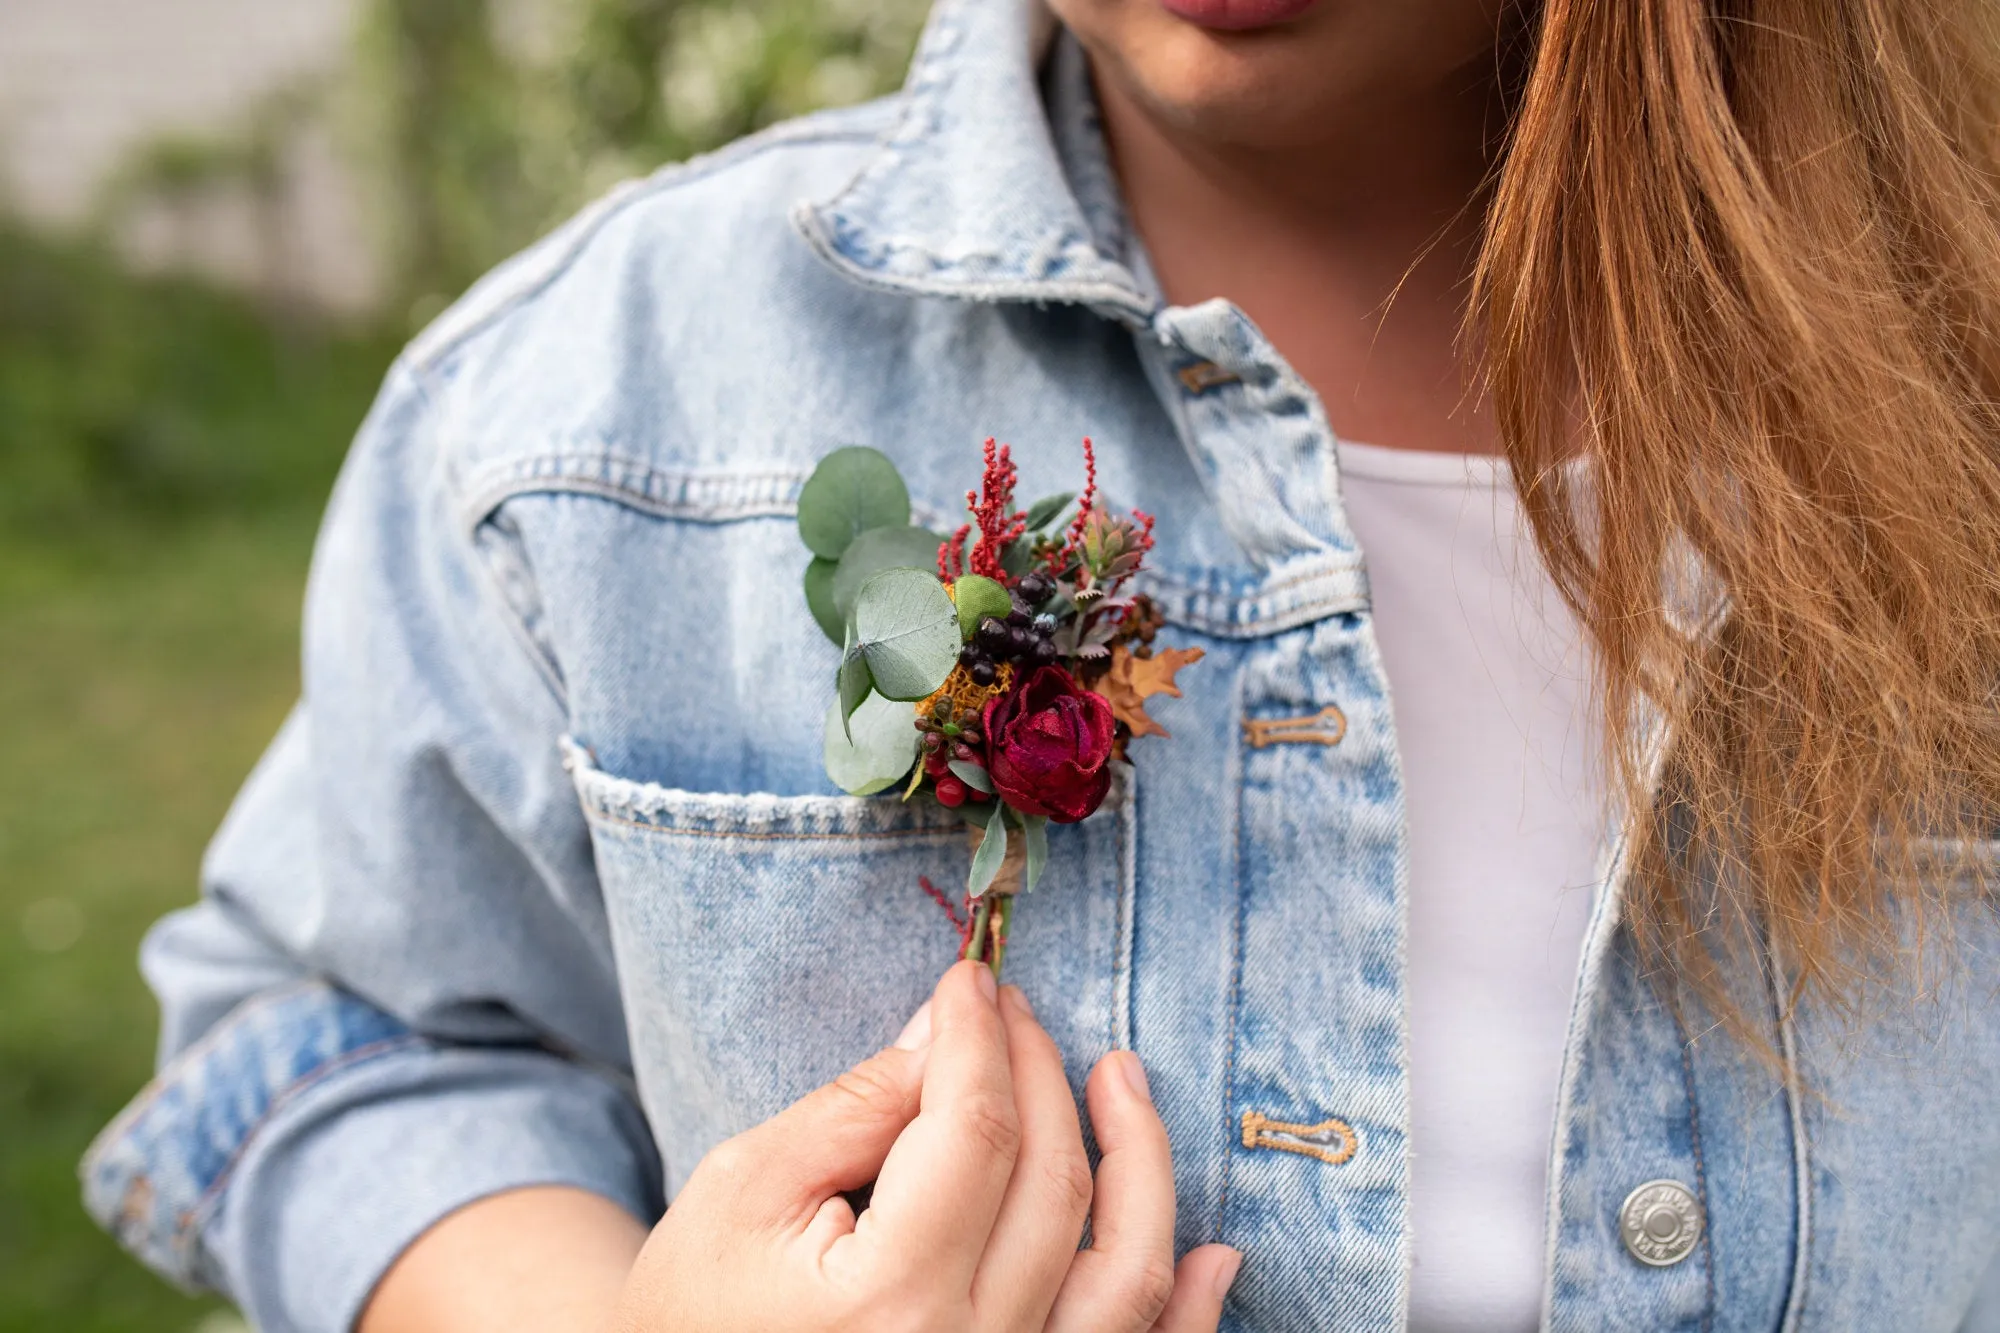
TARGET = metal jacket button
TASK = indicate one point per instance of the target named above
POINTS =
(1660, 1222)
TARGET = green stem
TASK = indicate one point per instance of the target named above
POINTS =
(975, 947)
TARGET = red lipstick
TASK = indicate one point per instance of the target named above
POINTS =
(1237, 15)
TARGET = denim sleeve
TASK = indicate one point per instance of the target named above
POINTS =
(397, 994)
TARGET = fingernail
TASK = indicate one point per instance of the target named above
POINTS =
(1225, 1275)
(1019, 1000)
(1135, 1075)
(916, 1033)
(989, 986)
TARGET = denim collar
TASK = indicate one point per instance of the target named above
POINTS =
(981, 191)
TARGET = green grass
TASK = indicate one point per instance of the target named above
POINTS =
(163, 453)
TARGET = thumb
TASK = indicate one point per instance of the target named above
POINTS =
(1201, 1284)
(835, 1138)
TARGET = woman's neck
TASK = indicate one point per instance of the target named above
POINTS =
(1352, 253)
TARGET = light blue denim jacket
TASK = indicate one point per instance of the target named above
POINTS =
(544, 881)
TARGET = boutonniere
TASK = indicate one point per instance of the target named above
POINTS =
(997, 670)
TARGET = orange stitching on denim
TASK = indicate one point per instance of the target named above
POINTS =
(1326, 727)
(1332, 1141)
(1202, 376)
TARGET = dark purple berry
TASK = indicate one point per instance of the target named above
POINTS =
(983, 673)
(969, 656)
(1045, 652)
(994, 635)
(1020, 641)
(1034, 588)
(1019, 618)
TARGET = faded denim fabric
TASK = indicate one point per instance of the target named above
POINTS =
(548, 840)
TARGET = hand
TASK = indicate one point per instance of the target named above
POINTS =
(967, 1127)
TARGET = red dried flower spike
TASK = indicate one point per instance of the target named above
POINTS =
(1073, 539)
(993, 511)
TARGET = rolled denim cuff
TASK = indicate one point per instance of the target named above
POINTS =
(290, 1157)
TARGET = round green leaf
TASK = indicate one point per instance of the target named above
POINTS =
(979, 597)
(819, 599)
(883, 747)
(906, 629)
(852, 491)
(877, 550)
(852, 682)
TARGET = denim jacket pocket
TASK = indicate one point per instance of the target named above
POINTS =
(765, 943)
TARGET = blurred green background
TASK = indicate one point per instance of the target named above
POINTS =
(167, 440)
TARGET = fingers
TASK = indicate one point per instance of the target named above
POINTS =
(1041, 1218)
(940, 1190)
(1201, 1284)
(1123, 1281)
(833, 1139)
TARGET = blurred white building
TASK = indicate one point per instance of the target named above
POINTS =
(86, 83)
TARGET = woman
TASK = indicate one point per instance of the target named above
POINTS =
(1634, 970)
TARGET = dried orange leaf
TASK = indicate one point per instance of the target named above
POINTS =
(1133, 680)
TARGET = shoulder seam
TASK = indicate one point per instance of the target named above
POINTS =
(447, 334)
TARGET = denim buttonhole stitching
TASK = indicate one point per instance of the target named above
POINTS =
(1199, 377)
(1331, 1141)
(1326, 727)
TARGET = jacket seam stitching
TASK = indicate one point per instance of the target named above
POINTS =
(614, 205)
(196, 1216)
(1700, 1175)
(198, 1051)
(1795, 1299)
(859, 835)
(1235, 1000)
(519, 478)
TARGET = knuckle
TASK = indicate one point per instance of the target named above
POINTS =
(1146, 1289)
(990, 1122)
(1070, 1184)
(868, 1090)
(728, 1164)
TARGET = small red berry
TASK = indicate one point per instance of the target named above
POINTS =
(950, 792)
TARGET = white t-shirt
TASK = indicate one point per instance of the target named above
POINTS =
(1489, 681)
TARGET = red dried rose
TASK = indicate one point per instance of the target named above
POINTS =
(1049, 746)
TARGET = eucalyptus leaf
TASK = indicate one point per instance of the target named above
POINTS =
(872, 750)
(972, 775)
(987, 860)
(854, 683)
(1047, 509)
(819, 599)
(1035, 832)
(979, 597)
(873, 552)
(852, 491)
(906, 629)
(975, 814)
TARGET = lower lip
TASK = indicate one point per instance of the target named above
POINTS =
(1237, 15)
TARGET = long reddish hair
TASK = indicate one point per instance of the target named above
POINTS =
(1745, 256)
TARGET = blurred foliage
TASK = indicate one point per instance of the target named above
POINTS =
(482, 133)
(165, 446)
(134, 399)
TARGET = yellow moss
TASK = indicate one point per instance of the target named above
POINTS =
(968, 697)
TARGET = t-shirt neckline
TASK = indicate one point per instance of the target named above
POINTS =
(1416, 467)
